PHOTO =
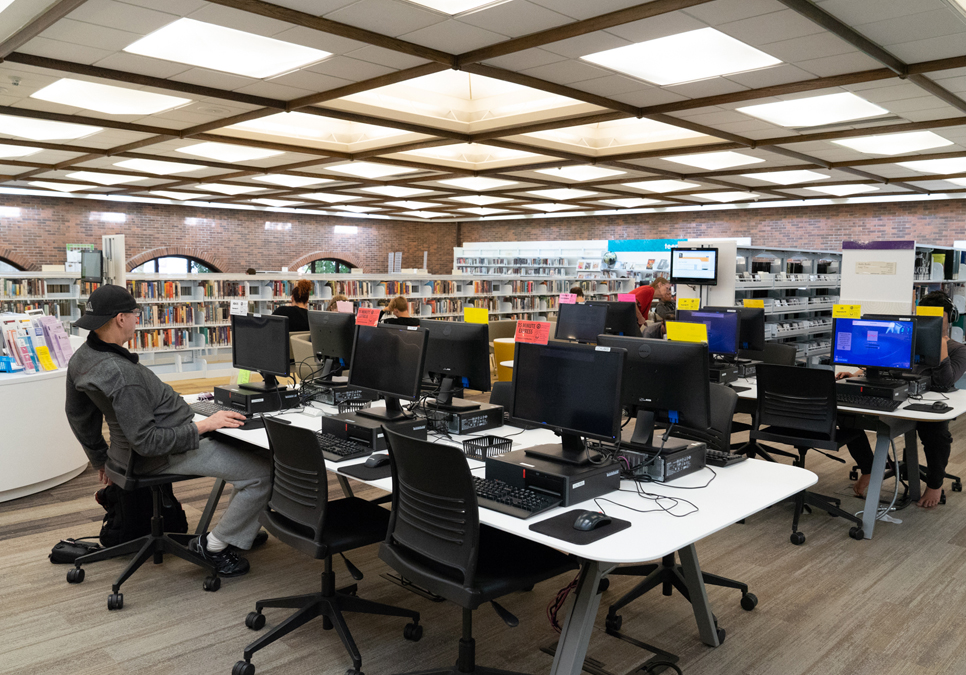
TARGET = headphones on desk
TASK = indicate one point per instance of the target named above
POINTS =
(940, 299)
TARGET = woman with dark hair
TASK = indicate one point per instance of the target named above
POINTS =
(298, 311)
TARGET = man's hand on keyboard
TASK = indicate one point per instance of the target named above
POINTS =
(223, 419)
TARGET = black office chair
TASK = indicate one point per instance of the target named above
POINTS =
(300, 514)
(435, 540)
(797, 407)
(776, 353)
(718, 435)
(153, 545)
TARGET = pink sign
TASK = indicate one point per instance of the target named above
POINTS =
(626, 297)
(367, 316)
(532, 332)
(343, 307)
(568, 298)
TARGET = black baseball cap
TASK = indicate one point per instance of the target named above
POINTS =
(104, 304)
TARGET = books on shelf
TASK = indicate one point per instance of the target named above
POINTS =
(155, 290)
(27, 287)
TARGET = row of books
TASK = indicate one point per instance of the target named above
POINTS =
(443, 287)
(35, 342)
(163, 338)
(217, 313)
(510, 261)
(166, 315)
(13, 288)
(155, 290)
(224, 289)
(353, 288)
(394, 288)
(283, 289)
(219, 336)
(88, 287)
(58, 308)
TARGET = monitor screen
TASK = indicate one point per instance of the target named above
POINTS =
(694, 266)
(92, 266)
(389, 359)
(459, 350)
(580, 322)
(722, 328)
(621, 317)
(259, 342)
(873, 343)
(929, 336)
(751, 326)
(332, 334)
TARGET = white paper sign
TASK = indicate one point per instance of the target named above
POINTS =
(239, 307)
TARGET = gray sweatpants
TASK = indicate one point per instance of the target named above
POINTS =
(247, 468)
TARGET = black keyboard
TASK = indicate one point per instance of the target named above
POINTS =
(513, 501)
(336, 449)
(867, 402)
(209, 408)
(721, 458)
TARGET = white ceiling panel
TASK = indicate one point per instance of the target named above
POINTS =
(943, 112)
(647, 95)
(313, 7)
(945, 47)
(274, 90)
(858, 12)
(567, 72)
(529, 58)
(657, 27)
(710, 87)
(889, 91)
(133, 63)
(306, 80)
(582, 45)
(918, 26)
(613, 85)
(239, 20)
(386, 17)
(837, 65)
(581, 9)
(90, 35)
(315, 39)
(211, 78)
(727, 11)
(516, 18)
(454, 37)
(769, 77)
(123, 16)
(771, 27)
(19, 14)
(807, 47)
(179, 7)
(918, 103)
(386, 57)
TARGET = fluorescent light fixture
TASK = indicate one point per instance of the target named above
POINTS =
(479, 183)
(107, 99)
(180, 196)
(561, 193)
(843, 190)
(480, 200)
(290, 181)
(396, 191)
(224, 152)
(472, 153)
(685, 57)
(957, 181)
(226, 189)
(346, 229)
(356, 209)
(316, 128)
(662, 185)
(454, 7)
(4, 4)
(277, 203)
(895, 144)
(631, 202)
(329, 197)
(483, 211)
(939, 166)
(581, 173)
(412, 206)
(549, 208)
(62, 187)
(712, 161)
(157, 167)
(615, 134)
(17, 151)
(44, 130)
(725, 197)
(815, 111)
(425, 214)
(225, 49)
(370, 169)
(104, 178)
(786, 177)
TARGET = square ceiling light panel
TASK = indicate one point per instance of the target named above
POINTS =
(480, 183)
(455, 7)
(426, 214)
(786, 177)
(562, 193)
(662, 185)
(370, 169)
(685, 57)
(207, 45)
(62, 187)
(937, 166)
(621, 135)
(480, 200)
(895, 144)
(357, 209)
(12, 151)
(725, 197)
(482, 211)
(713, 161)
(290, 181)
(226, 189)
(395, 191)
(277, 203)
(550, 208)
(225, 152)
(107, 99)
(581, 173)
(958, 181)
(4, 4)
(412, 205)
(815, 111)
(473, 155)
(158, 167)
(843, 190)
(630, 202)
(104, 178)
(325, 131)
(180, 196)
(44, 130)
(329, 197)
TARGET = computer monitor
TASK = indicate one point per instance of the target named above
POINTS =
(722, 328)
(621, 317)
(332, 334)
(572, 389)
(457, 352)
(92, 267)
(694, 266)
(580, 322)
(664, 381)
(259, 342)
(751, 326)
(929, 336)
(874, 344)
(389, 360)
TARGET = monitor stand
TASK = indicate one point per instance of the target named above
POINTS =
(446, 401)
(570, 450)
(330, 368)
(393, 412)
(268, 386)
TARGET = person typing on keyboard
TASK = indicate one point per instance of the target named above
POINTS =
(935, 437)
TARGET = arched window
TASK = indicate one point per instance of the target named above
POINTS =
(326, 266)
(173, 264)
(8, 266)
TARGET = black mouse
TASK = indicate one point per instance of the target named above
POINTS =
(939, 405)
(377, 460)
(591, 521)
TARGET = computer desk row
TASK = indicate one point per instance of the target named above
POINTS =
(887, 426)
(736, 493)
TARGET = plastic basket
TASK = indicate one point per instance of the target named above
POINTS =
(482, 447)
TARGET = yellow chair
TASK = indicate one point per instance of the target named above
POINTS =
(503, 351)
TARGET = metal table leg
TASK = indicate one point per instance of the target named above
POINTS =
(886, 429)
(577, 627)
(205, 523)
(699, 596)
(344, 484)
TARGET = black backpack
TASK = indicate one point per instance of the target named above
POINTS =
(129, 513)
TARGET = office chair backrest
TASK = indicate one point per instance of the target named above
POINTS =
(723, 402)
(501, 393)
(435, 518)
(774, 352)
(796, 398)
(300, 488)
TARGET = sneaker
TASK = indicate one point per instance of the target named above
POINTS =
(227, 562)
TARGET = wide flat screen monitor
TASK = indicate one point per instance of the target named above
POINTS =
(389, 360)
(722, 328)
(874, 343)
(458, 354)
(260, 343)
(621, 317)
(929, 336)
(694, 266)
(580, 322)
(332, 334)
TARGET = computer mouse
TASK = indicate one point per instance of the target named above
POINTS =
(591, 521)
(938, 405)
(377, 460)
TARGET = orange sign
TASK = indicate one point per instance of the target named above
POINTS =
(367, 316)
(533, 332)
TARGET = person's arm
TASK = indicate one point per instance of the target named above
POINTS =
(86, 421)
(947, 373)
(135, 413)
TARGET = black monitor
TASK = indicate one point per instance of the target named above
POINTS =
(722, 328)
(621, 317)
(92, 267)
(929, 336)
(581, 322)
(332, 334)
(665, 381)
(572, 389)
(458, 352)
(259, 342)
(694, 266)
(751, 326)
(389, 360)
(874, 344)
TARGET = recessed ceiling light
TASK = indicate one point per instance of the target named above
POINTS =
(329, 197)
(157, 167)
(662, 185)
(226, 189)
(44, 130)
(425, 214)
(549, 208)
(957, 181)
(814, 111)
(278, 203)
(480, 200)
(370, 169)
(106, 98)
(396, 191)
(316, 128)
(725, 197)
(483, 211)
(226, 49)
(619, 133)
(17, 151)
(454, 7)
(685, 57)
(631, 202)
(843, 190)
(290, 181)
(104, 178)
(412, 206)
(895, 144)
(180, 196)
(939, 166)
(561, 193)
(581, 173)
(477, 183)
(4, 4)
(357, 209)
(225, 152)
(472, 153)
(712, 161)
(63, 187)
(786, 177)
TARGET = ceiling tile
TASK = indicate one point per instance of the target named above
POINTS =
(611, 85)
(179, 7)
(386, 57)
(647, 95)
(142, 65)
(805, 48)
(386, 17)
(89, 35)
(837, 65)
(528, 58)
(274, 90)
(307, 37)
(858, 12)
(55, 49)
(917, 103)
(944, 47)
(516, 18)
(211, 78)
(313, 7)
(230, 17)
(122, 16)
(891, 90)
(582, 45)
(919, 26)
(581, 9)
(725, 11)
(772, 27)
(768, 77)
(710, 87)
(567, 72)
(657, 27)
(453, 37)
(309, 81)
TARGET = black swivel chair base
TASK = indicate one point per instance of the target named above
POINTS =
(153, 545)
(330, 604)
(753, 449)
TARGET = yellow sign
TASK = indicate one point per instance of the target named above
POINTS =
(680, 331)
(929, 311)
(244, 376)
(476, 315)
(752, 302)
(846, 311)
(689, 303)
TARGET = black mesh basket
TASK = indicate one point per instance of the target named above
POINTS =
(482, 447)
(353, 404)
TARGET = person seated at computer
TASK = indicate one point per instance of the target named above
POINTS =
(399, 308)
(662, 293)
(157, 425)
(298, 311)
(333, 305)
(579, 292)
(935, 436)
(644, 294)
(658, 329)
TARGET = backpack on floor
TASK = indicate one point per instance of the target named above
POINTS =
(129, 513)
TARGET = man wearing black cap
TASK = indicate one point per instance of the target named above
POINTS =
(154, 422)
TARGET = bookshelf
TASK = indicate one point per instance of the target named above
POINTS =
(526, 259)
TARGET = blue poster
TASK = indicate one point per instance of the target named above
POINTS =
(642, 245)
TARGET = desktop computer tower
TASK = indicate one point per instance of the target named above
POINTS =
(677, 458)
(367, 431)
(486, 416)
(569, 482)
(859, 386)
(723, 373)
(250, 401)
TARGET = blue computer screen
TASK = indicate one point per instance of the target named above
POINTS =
(873, 343)
(722, 329)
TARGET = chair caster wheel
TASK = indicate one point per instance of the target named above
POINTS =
(212, 584)
(255, 620)
(797, 538)
(749, 601)
(75, 576)
(857, 533)
(243, 668)
(957, 486)
(942, 497)
(115, 601)
(353, 671)
(613, 622)
(413, 632)
(721, 635)
(853, 475)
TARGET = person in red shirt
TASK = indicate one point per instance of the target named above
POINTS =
(644, 294)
